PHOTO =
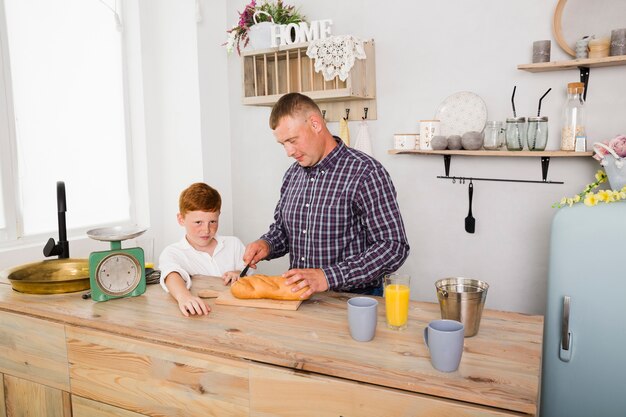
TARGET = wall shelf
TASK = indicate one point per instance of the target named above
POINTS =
(268, 74)
(544, 155)
(609, 61)
(557, 154)
(583, 65)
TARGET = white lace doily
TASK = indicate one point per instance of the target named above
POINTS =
(335, 55)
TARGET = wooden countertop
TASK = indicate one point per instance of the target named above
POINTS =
(501, 366)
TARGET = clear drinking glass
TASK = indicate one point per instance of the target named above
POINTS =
(397, 291)
(537, 133)
(515, 133)
(494, 135)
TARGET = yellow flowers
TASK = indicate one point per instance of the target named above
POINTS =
(605, 196)
(592, 199)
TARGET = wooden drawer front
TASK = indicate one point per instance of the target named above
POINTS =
(153, 379)
(279, 392)
(34, 349)
(82, 407)
(26, 398)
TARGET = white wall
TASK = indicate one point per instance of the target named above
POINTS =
(426, 51)
(193, 127)
(172, 109)
(214, 106)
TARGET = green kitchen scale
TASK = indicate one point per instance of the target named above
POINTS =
(117, 272)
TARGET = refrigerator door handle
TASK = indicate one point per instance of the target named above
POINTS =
(567, 338)
(565, 334)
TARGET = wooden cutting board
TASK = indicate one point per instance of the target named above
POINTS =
(226, 298)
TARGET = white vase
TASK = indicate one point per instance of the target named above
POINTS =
(615, 171)
(259, 35)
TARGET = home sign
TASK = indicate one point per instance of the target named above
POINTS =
(300, 32)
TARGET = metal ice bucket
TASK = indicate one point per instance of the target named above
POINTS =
(462, 299)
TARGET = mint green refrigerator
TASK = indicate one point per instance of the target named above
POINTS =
(584, 346)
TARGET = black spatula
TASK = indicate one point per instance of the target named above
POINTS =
(470, 221)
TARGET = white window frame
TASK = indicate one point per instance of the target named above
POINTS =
(12, 237)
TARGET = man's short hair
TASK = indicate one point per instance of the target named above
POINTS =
(290, 105)
(199, 197)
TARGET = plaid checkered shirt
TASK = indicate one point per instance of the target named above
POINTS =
(340, 215)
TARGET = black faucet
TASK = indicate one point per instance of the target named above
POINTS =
(62, 249)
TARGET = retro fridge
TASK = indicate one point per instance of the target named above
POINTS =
(584, 346)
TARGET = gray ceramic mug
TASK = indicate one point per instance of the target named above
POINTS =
(444, 340)
(362, 318)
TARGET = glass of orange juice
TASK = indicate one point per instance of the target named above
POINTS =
(397, 290)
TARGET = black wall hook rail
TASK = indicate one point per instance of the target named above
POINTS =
(545, 164)
(463, 179)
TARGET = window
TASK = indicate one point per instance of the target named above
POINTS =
(64, 89)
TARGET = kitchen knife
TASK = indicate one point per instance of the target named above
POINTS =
(244, 272)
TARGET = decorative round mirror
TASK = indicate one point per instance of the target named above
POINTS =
(574, 19)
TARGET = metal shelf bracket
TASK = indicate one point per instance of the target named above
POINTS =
(584, 78)
(446, 164)
(545, 164)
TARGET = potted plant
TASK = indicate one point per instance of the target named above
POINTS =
(611, 155)
(256, 14)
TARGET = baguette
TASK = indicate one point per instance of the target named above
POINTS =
(263, 286)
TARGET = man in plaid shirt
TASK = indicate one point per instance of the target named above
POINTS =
(337, 215)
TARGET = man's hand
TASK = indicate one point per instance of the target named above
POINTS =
(255, 252)
(315, 279)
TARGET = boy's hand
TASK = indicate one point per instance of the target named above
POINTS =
(192, 305)
(230, 277)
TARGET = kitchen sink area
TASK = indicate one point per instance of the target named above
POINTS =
(51, 276)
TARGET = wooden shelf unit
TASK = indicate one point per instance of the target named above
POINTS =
(609, 61)
(556, 154)
(268, 74)
(543, 155)
(583, 65)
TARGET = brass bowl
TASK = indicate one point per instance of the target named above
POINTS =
(52, 276)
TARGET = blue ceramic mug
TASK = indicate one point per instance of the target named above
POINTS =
(444, 339)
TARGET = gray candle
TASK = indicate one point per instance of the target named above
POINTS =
(618, 42)
(541, 51)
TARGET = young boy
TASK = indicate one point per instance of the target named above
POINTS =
(202, 251)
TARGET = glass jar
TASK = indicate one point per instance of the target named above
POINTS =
(537, 133)
(515, 133)
(494, 135)
(573, 128)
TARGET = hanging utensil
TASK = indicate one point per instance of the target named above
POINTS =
(470, 222)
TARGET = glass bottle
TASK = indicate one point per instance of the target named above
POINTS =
(573, 129)
(515, 133)
(537, 133)
(494, 135)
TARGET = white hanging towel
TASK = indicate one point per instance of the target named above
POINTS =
(344, 131)
(363, 142)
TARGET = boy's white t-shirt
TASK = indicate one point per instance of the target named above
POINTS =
(181, 257)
